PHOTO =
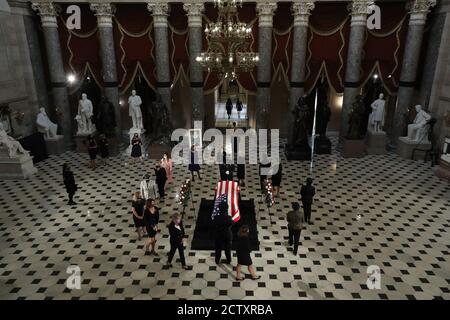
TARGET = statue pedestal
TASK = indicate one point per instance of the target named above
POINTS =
(80, 140)
(21, 167)
(405, 148)
(322, 145)
(298, 152)
(55, 145)
(156, 151)
(376, 142)
(443, 170)
(353, 148)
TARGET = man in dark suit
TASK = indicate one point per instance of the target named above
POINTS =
(222, 233)
(161, 178)
(307, 193)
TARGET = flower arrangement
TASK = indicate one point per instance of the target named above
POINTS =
(185, 193)
(268, 193)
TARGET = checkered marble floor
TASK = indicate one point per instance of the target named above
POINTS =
(379, 210)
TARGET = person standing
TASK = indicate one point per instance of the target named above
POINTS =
(136, 149)
(276, 181)
(92, 150)
(167, 164)
(177, 234)
(193, 165)
(148, 188)
(151, 219)
(222, 233)
(103, 146)
(69, 183)
(239, 107)
(243, 254)
(307, 193)
(229, 107)
(161, 179)
(295, 225)
(137, 208)
(241, 174)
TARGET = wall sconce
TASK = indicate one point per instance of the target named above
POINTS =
(71, 78)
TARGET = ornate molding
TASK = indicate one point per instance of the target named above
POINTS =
(359, 9)
(104, 13)
(418, 10)
(301, 12)
(159, 12)
(194, 13)
(265, 11)
(48, 11)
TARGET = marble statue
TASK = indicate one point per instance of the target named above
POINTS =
(14, 147)
(356, 118)
(45, 125)
(301, 114)
(446, 150)
(84, 116)
(376, 118)
(134, 103)
(417, 131)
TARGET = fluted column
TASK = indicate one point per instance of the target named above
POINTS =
(104, 13)
(48, 12)
(418, 10)
(359, 11)
(194, 13)
(265, 25)
(159, 12)
(301, 12)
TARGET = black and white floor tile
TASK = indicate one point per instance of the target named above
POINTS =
(379, 210)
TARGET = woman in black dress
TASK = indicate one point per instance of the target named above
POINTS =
(276, 181)
(69, 183)
(176, 231)
(151, 219)
(243, 254)
(103, 146)
(137, 208)
(239, 107)
(92, 150)
(193, 165)
(136, 143)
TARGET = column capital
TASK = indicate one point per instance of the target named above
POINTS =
(159, 11)
(265, 11)
(418, 10)
(194, 13)
(48, 11)
(359, 9)
(301, 12)
(104, 13)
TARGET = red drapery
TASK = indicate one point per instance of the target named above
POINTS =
(327, 45)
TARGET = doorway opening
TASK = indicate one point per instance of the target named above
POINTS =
(236, 108)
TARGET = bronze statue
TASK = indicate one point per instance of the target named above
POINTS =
(356, 118)
(161, 124)
(322, 118)
(301, 114)
(105, 120)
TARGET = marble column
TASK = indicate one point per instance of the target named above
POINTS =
(194, 13)
(301, 12)
(159, 12)
(265, 24)
(48, 13)
(418, 10)
(359, 11)
(104, 13)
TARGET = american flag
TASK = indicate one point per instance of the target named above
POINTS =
(217, 202)
(231, 190)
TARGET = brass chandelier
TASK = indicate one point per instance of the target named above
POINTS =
(228, 40)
